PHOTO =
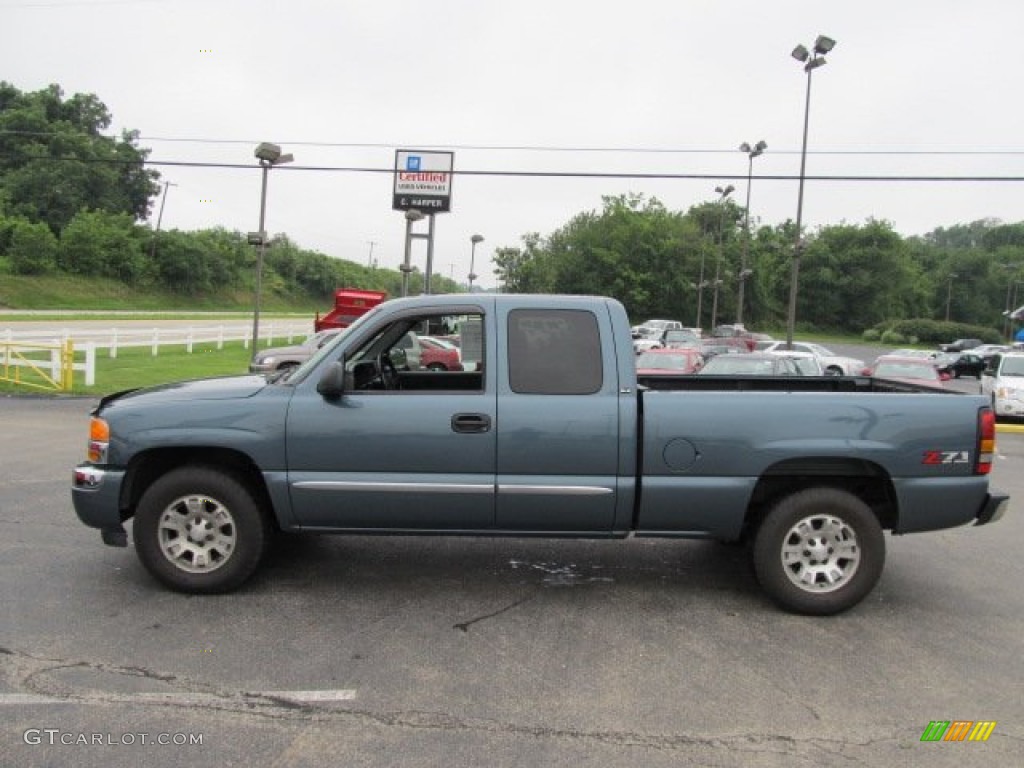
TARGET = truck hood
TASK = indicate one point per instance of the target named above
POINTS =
(221, 388)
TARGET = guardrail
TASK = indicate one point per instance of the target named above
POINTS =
(45, 359)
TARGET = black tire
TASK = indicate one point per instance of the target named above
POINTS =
(833, 370)
(819, 551)
(232, 531)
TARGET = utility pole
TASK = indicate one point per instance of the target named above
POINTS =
(369, 259)
(159, 218)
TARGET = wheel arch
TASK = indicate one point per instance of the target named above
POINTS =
(864, 479)
(147, 466)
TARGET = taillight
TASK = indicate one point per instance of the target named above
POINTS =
(986, 441)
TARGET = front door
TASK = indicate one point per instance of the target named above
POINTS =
(410, 452)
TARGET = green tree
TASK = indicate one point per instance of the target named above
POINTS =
(55, 160)
(32, 249)
(103, 244)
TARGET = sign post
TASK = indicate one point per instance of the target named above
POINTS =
(423, 183)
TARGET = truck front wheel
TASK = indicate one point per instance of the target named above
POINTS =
(819, 551)
(198, 530)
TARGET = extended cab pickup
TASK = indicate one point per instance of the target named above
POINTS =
(548, 433)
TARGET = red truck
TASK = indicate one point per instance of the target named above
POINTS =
(349, 303)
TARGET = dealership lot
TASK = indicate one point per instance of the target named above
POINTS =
(421, 651)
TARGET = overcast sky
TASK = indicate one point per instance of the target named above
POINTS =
(912, 88)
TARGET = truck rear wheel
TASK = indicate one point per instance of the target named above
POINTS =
(199, 530)
(819, 551)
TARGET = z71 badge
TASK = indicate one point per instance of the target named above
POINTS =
(946, 457)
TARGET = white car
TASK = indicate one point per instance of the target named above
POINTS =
(651, 327)
(833, 364)
(1003, 382)
(806, 363)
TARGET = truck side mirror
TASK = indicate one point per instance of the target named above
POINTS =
(332, 381)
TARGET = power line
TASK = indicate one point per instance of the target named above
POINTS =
(556, 148)
(542, 174)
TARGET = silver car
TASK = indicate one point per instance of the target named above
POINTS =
(283, 358)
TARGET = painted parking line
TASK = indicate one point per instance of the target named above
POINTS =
(182, 699)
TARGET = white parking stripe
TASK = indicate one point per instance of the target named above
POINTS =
(182, 699)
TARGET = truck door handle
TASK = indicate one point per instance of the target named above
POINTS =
(471, 422)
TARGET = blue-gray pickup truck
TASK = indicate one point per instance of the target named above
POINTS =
(547, 432)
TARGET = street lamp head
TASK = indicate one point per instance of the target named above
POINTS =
(413, 215)
(267, 152)
(800, 53)
(476, 239)
(824, 44)
(814, 63)
(725, 191)
(754, 151)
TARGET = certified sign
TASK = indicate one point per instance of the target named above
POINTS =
(423, 180)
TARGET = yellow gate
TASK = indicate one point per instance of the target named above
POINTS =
(38, 365)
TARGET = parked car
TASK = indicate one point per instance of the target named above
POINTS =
(831, 362)
(651, 335)
(677, 338)
(667, 361)
(711, 347)
(735, 332)
(750, 364)
(283, 358)
(912, 370)
(439, 355)
(960, 364)
(650, 328)
(960, 345)
(988, 351)
(1003, 382)
(806, 363)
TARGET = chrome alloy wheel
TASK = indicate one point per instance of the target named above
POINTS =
(820, 553)
(197, 534)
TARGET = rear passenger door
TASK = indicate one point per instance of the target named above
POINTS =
(558, 414)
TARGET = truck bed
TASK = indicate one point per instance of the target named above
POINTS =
(864, 384)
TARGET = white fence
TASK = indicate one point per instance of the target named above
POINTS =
(89, 340)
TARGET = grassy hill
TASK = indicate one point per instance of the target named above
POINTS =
(67, 292)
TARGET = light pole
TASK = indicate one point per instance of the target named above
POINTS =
(269, 155)
(411, 215)
(949, 292)
(752, 152)
(701, 285)
(472, 259)
(159, 218)
(811, 62)
(723, 192)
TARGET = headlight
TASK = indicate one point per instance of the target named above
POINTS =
(99, 440)
(265, 360)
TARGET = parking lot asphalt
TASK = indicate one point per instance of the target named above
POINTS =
(406, 651)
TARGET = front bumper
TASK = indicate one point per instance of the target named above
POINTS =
(993, 509)
(96, 495)
(1009, 406)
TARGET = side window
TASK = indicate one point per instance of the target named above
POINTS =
(428, 353)
(554, 352)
